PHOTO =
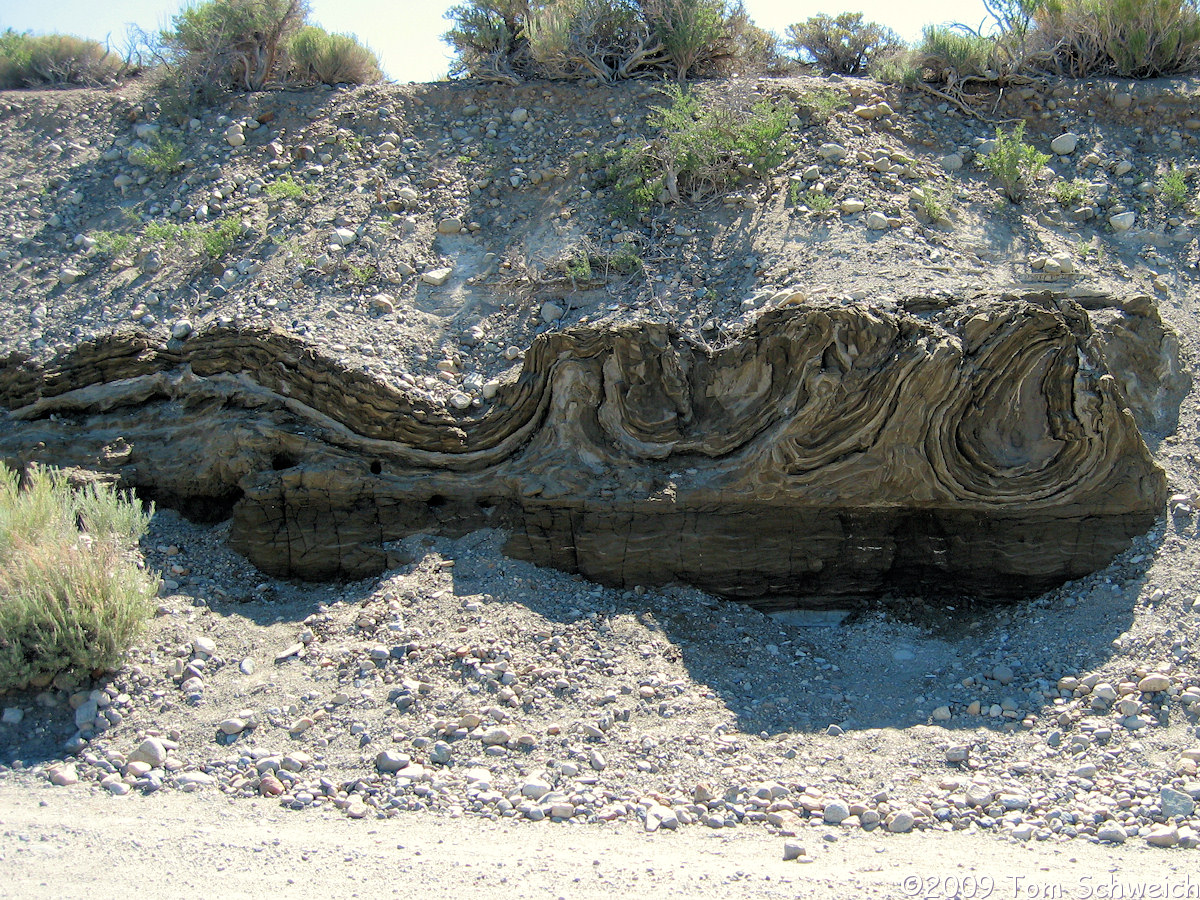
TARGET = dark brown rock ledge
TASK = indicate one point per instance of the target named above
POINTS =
(832, 451)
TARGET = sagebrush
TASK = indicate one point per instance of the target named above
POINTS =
(72, 593)
(1014, 163)
(29, 60)
(702, 147)
(844, 44)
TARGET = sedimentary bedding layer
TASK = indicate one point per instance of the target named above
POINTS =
(831, 451)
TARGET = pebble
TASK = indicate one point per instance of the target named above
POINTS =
(151, 751)
(1175, 803)
(343, 237)
(12, 715)
(551, 312)
(181, 330)
(836, 812)
(232, 726)
(792, 850)
(391, 761)
(832, 152)
(436, 277)
(1123, 221)
(519, 116)
(851, 206)
(1154, 682)
(1065, 144)
(876, 221)
(449, 226)
(1111, 833)
(246, 666)
(952, 162)
(1163, 836)
(64, 775)
(495, 737)
(901, 822)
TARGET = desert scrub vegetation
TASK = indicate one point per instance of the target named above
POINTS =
(72, 593)
(1127, 38)
(821, 104)
(317, 57)
(213, 241)
(29, 60)
(511, 40)
(1172, 189)
(163, 156)
(216, 46)
(286, 188)
(844, 44)
(1069, 194)
(701, 148)
(1014, 163)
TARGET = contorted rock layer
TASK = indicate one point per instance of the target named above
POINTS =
(833, 450)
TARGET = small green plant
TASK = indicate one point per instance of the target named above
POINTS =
(818, 202)
(1069, 194)
(822, 103)
(220, 238)
(579, 266)
(161, 232)
(1014, 163)
(163, 156)
(933, 202)
(113, 243)
(626, 260)
(361, 275)
(1173, 189)
(286, 188)
(701, 149)
(72, 596)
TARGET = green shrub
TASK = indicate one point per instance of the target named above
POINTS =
(932, 202)
(28, 60)
(701, 148)
(845, 44)
(219, 45)
(319, 57)
(162, 232)
(286, 188)
(1069, 194)
(489, 38)
(896, 69)
(218, 239)
(1014, 163)
(693, 34)
(949, 54)
(163, 156)
(1173, 189)
(72, 597)
(113, 243)
(508, 40)
(1128, 38)
(818, 202)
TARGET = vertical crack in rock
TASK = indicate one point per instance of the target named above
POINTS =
(831, 451)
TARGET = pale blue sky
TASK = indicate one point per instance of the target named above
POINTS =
(406, 33)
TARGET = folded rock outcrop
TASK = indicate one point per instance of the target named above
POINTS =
(831, 451)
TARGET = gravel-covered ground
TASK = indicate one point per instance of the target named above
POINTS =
(1056, 737)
